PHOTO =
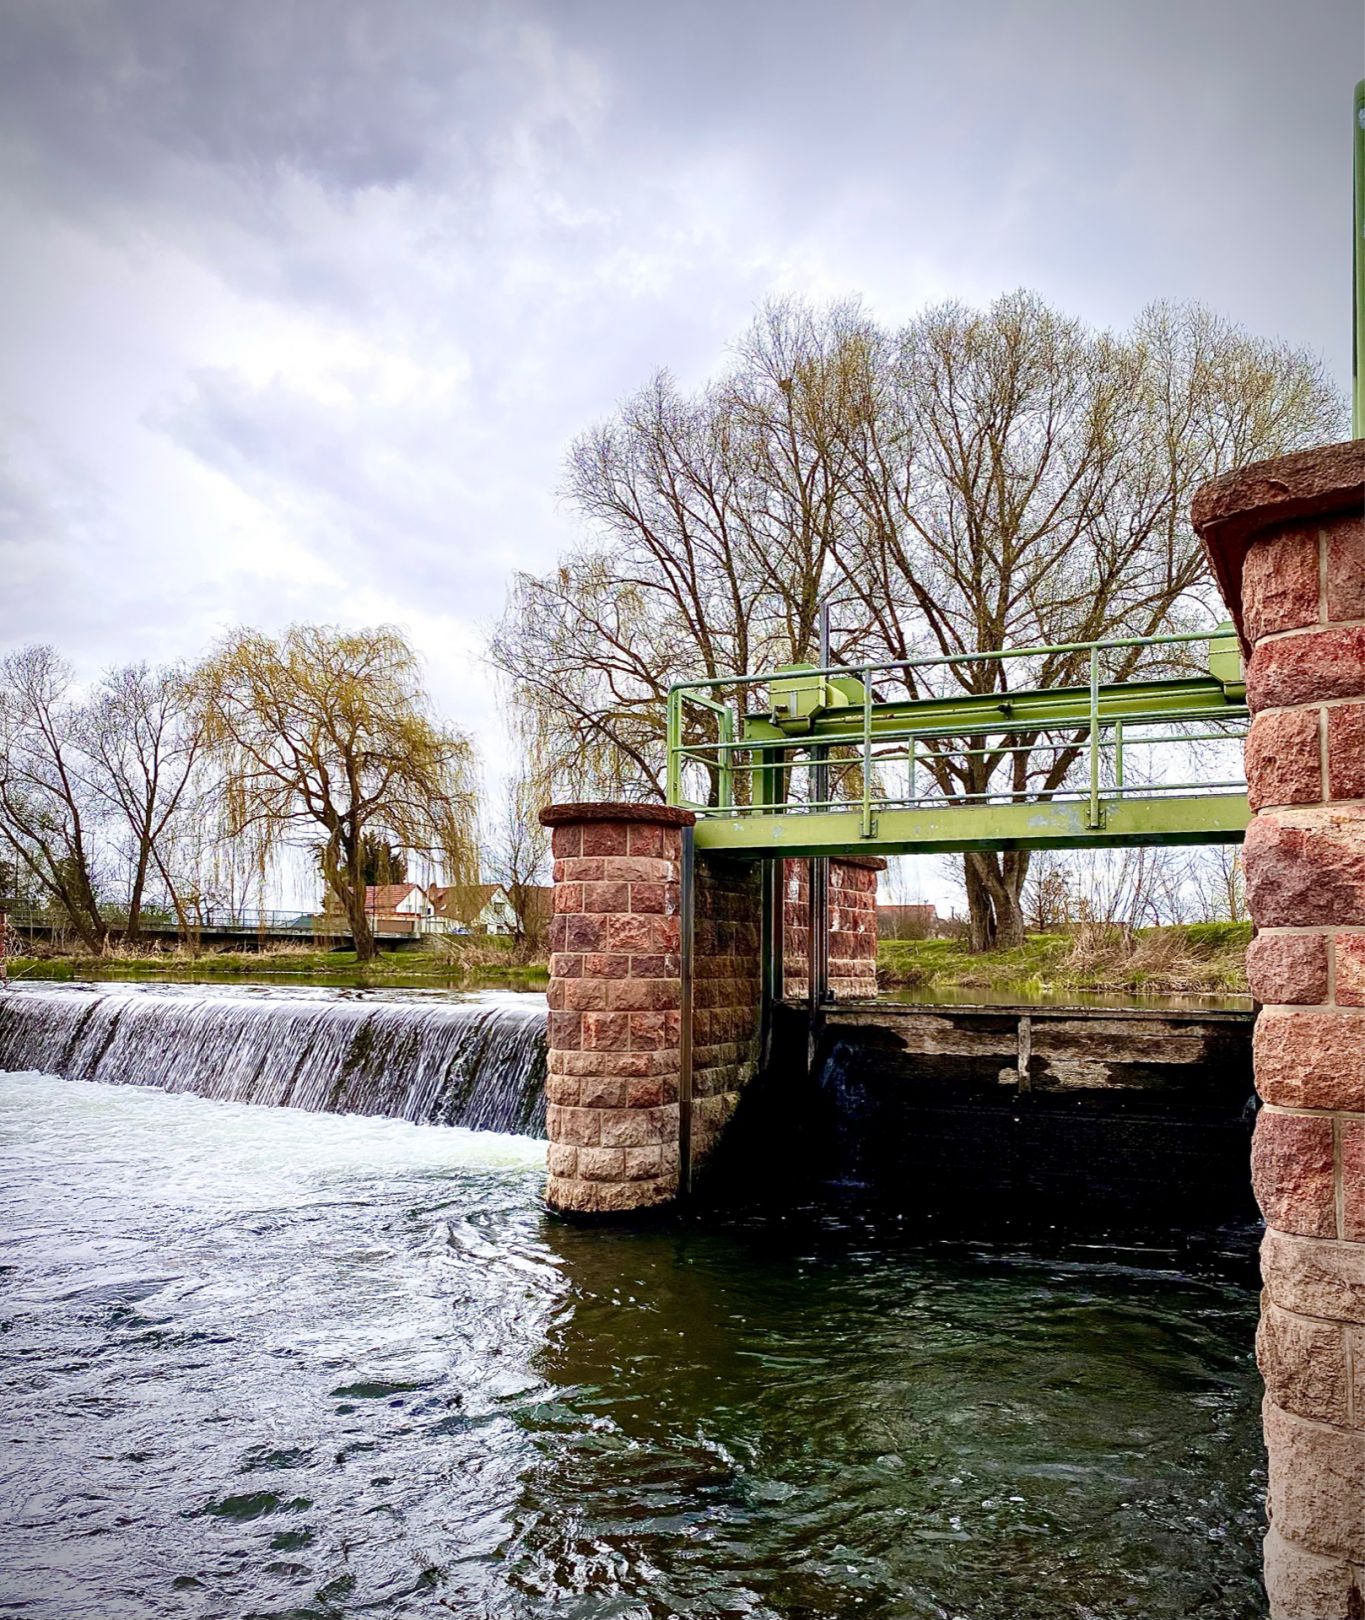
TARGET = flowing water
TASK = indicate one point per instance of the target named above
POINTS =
(430, 1057)
(267, 1362)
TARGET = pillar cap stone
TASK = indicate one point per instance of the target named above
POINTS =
(871, 863)
(1231, 511)
(655, 815)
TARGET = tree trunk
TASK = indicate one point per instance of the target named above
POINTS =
(994, 885)
(362, 934)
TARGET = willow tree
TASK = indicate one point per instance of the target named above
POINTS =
(976, 481)
(325, 738)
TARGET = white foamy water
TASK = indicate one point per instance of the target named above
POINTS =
(474, 1060)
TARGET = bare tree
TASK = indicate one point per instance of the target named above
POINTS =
(141, 733)
(518, 857)
(49, 812)
(979, 481)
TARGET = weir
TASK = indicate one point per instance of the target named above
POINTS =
(478, 1063)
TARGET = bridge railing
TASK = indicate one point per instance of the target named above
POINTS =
(965, 729)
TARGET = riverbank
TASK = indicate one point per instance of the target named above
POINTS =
(1190, 959)
(481, 964)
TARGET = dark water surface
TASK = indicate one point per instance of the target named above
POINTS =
(258, 1362)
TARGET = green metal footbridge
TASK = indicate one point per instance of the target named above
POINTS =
(968, 751)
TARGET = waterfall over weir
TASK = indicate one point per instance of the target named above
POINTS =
(478, 1061)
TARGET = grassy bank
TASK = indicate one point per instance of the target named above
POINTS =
(1192, 959)
(454, 963)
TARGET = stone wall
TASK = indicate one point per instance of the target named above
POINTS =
(615, 1007)
(726, 995)
(616, 996)
(1287, 543)
(852, 927)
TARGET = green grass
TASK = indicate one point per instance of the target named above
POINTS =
(1194, 958)
(410, 967)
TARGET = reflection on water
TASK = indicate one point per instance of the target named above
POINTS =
(263, 1363)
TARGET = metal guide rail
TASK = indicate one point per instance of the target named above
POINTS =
(969, 751)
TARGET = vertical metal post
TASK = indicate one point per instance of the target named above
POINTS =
(774, 917)
(867, 753)
(726, 724)
(674, 764)
(687, 917)
(1118, 753)
(914, 797)
(1094, 817)
(817, 949)
(4, 946)
(1358, 272)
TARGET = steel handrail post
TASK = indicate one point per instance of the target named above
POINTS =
(867, 753)
(1094, 737)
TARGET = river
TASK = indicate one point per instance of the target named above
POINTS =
(264, 1362)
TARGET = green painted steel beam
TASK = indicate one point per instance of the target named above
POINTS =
(1195, 698)
(1212, 818)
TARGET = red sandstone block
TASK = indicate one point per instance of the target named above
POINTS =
(604, 838)
(562, 1089)
(590, 870)
(606, 965)
(1353, 1188)
(664, 934)
(562, 1159)
(568, 897)
(566, 1031)
(643, 869)
(649, 841)
(1284, 968)
(1280, 584)
(1345, 569)
(642, 1163)
(601, 1164)
(566, 965)
(566, 842)
(653, 967)
(648, 1093)
(1346, 751)
(654, 1031)
(584, 934)
(582, 995)
(1284, 758)
(601, 1091)
(1317, 1485)
(1303, 1363)
(630, 933)
(672, 899)
(1291, 1172)
(572, 1125)
(1350, 963)
(1299, 1582)
(1311, 1059)
(605, 897)
(626, 1127)
(644, 995)
(646, 897)
(1315, 1278)
(1306, 867)
(605, 1032)
(559, 933)
(1311, 668)
(554, 995)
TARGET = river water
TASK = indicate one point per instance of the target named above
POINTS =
(265, 1362)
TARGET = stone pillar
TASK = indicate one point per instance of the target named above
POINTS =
(615, 999)
(1286, 539)
(852, 926)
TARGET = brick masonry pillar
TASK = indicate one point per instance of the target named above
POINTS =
(615, 998)
(1286, 540)
(852, 926)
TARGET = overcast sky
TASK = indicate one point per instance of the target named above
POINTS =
(302, 302)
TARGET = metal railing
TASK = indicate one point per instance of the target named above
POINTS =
(751, 745)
